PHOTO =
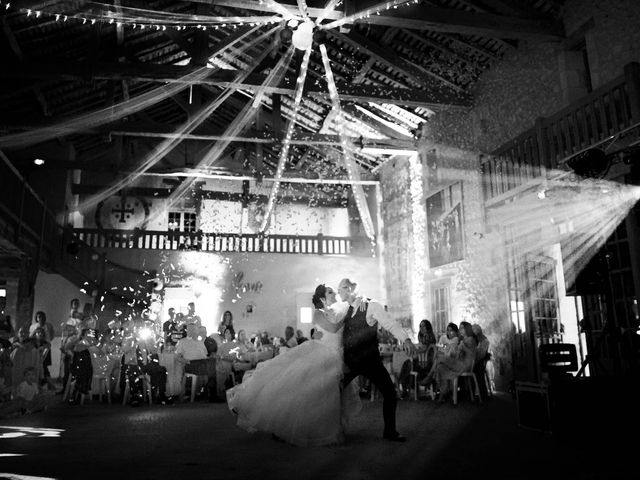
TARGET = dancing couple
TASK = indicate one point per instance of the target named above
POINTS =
(305, 396)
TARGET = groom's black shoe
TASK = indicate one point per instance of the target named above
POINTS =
(394, 437)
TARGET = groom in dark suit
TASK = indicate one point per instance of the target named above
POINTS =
(361, 354)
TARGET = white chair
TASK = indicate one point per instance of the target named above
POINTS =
(146, 389)
(194, 384)
(69, 387)
(423, 361)
(472, 384)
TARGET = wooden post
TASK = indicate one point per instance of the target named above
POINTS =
(543, 153)
(632, 79)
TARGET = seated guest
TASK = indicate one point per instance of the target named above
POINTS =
(243, 360)
(192, 350)
(211, 342)
(483, 357)
(289, 339)
(265, 340)
(300, 337)
(426, 338)
(243, 340)
(449, 367)
(151, 366)
(192, 346)
(226, 356)
(448, 343)
(24, 354)
(28, 397)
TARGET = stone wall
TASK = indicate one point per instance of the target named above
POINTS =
(537, 79)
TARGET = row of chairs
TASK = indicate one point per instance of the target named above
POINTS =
(470, 377)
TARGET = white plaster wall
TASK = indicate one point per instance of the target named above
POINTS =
(276, 283)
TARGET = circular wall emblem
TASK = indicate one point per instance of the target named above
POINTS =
(122, 213)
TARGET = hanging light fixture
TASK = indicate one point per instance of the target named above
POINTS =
(303, 36)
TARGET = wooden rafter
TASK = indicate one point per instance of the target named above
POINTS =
(223, 79)
(421, 17)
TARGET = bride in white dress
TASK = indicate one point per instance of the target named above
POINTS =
(296, 396)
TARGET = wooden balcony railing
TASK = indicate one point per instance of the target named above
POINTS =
(606, 111)
(222, 242)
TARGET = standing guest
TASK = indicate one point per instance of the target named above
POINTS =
(6, 331)
(40, 341)
(169, 326)
(131, 364)
(75, 316)
(227, 322)
(191, 316)
(81, 365)
(300, 337)
(41, 322)
(172, 329)
(87, 311)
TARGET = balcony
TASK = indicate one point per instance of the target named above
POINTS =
(610, 110)
(223, 242)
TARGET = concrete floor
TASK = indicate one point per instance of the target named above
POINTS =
(200, 440)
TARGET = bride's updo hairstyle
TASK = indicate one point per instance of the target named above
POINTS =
(321, 292)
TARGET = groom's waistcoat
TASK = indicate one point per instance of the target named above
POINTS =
(360, 340)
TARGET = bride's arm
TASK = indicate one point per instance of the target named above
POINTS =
(326, 319)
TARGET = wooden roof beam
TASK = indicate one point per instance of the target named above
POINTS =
(259, 6)
(434, 100)
(451, 20)
(422, 17)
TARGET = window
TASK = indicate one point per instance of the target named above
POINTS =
(440, 302)
(306, 315)
(182, 221)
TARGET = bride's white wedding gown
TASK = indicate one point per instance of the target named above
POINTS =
(296, 395)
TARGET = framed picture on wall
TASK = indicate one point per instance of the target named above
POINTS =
(444, 226)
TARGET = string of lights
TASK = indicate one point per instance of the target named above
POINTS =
(352, 170)
(375, 10)
(286, 143)
(139, 18)
(154, 20)
(419, 233)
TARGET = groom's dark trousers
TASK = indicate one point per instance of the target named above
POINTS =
(362, 357)
(381, 379)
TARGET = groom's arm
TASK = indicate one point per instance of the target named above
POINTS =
(376, 313)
